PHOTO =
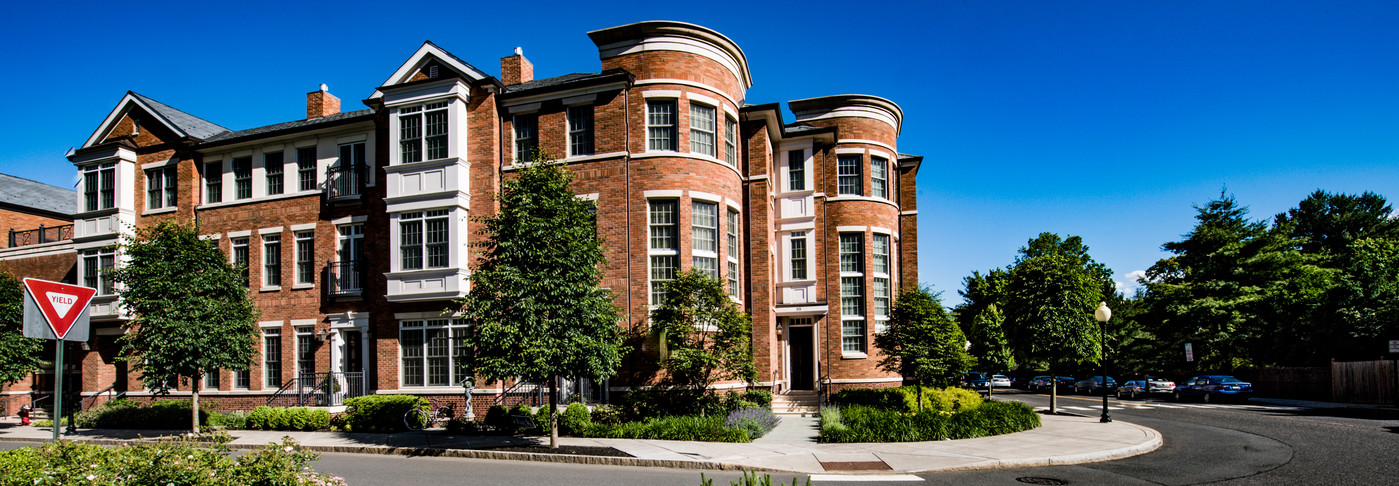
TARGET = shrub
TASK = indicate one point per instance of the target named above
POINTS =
(574, 418)
(498, 417)
(298, 418)
(541, 418)
(761, 397)
(906, 398)
(379, 413)
(235, 420)
(127, 414)
(757, 421)
(320, 419)
(710, 429)
(861, 423)
(260, 418)
(606, 415)
(171, 461)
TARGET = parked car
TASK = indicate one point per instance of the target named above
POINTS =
(1095, 384)
(974, 380)
(1132, 389)
(1019, 381)
(1039, 383)
(1001, 381)
(1066, 383)
(1160, 386)
(1210, 388)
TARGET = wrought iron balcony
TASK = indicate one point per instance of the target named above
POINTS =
(344, 278)
(346, 182)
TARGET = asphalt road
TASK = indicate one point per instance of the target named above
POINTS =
(1234, 444)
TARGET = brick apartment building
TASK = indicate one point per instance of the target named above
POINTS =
(356, 225)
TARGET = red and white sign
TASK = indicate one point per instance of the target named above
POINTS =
(60, 303)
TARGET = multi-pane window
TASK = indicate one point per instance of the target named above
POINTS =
(798, 255)
(96, 265)
(852, 310)
(848, 175)
(730, 140)
(213, 182)
(665, 245)
(881, 302)
(796, 170)
(661, 125)
(272, 166)
(702, 129)
(526, 136)
(242, 379)
(423, 233)
(99, 187)
(422, 130)
(704, 236)
(881, 254)
(879, 177)
(852, 252)
(306, 168)
(242, 177)
(580, 130)
(434, 352)
(160, 188)
(271, 260)
(271, 358)
(305, 257)
(305, 351)
(240, 255)
(211, 380)
(733, 253)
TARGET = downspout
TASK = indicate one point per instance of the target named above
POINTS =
(626, 123)
(825, 254)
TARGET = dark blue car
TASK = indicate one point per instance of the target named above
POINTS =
(1211, 388)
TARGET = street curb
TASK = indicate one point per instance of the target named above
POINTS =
(1153, 442)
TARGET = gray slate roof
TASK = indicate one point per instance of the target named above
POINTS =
(547, 82)
(229, 135)
(192, 125)
(37, 195)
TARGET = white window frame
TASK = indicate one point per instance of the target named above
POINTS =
(243, 180)
(236, 243)
(662, 135)
(845, 163)
(879, 177)
(735, 248)
(671, 253)
(795, 264)
(306, 164)
(455, 330)
(161, 187)
(423, 220)
(93, 267)
(305, 257)
(524, 141)
(704, 236)
(100, 186)
(421, 143)
(581, 134)
(853, 292)
(279, 161)
(703, 129)
(271, 256)
(266, 333)
(730, 140)
(304, 334)
(213, 181)
(796, 170)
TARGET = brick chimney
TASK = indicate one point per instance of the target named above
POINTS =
(515, 69)
(321, 103)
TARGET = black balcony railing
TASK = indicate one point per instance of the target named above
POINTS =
(43, 234)
(344, 278)
(346, 182)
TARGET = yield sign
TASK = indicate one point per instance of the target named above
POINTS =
(60, 303)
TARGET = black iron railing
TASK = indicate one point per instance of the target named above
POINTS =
(344, 278)
(42, 234)
(346, 182)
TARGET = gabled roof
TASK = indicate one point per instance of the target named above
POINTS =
(183, 124)
(427, 52)
(18, 191)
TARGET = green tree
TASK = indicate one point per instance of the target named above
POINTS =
(988, 340)
(922, 343)
(191, 313)
(1054, 287)
(19, 355)
(1327, 224)
(707, 337)
(535, 302)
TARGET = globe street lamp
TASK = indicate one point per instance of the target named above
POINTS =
(1102, 314)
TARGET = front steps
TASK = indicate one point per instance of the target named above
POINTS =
(800, 403)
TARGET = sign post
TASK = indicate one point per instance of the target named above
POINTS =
(56, 311)
(1189, 353)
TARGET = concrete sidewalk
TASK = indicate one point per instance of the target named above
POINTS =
(1061, 440)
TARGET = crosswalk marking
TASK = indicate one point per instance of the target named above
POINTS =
(866, 478)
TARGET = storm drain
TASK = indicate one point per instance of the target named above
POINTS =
(1044, 481)
(856, 466)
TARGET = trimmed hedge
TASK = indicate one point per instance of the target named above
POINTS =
(861, 423)
(379, 413)
(905, 398)
(708, 429)
(282, 418)
(659, 402)
(128, 414)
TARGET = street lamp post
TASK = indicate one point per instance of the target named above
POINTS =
(1102, 314)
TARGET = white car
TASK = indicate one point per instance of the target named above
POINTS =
(1000, 381)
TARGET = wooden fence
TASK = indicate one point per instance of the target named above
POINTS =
(1308, 383)
(1365, 382)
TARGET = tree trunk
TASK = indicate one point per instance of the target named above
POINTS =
(554, 412)
(1053, 392)
(194, 399)
(919, 385)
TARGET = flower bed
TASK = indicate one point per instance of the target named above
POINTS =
(862, 423)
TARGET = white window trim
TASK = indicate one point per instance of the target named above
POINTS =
(452, 322)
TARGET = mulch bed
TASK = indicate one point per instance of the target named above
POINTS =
(563, 449)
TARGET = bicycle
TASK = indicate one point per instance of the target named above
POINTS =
(418, 419)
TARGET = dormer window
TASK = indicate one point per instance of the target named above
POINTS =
(422, 128)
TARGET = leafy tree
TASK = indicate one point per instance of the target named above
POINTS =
(535, 302)
(1054, 287)
(1367, 296)
(922, 343)
(19, 355)
(707, 337)
(191, 313)
(988, 340)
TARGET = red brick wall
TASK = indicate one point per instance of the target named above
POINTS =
(12, 219)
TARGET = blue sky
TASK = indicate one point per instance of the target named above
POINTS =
(1106, 120)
